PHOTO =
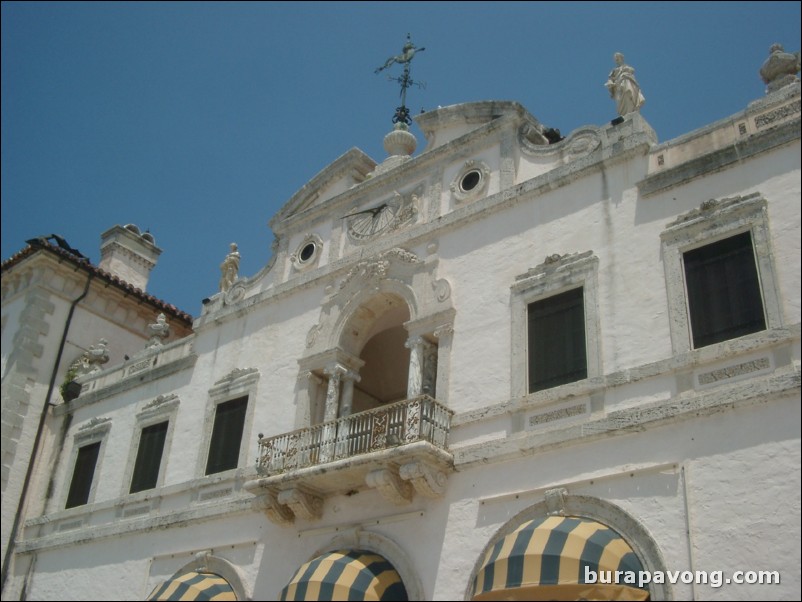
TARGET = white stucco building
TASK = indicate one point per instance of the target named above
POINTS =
(470, 365)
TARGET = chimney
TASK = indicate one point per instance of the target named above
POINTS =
(128, 254)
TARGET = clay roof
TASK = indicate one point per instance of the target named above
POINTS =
(67, 253)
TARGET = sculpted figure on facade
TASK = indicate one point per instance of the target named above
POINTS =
(158, 332)
(229, 268)
(623, 87)
(780, 68)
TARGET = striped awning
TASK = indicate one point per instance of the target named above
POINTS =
(346, 575)
(546, 559)
(194, 586)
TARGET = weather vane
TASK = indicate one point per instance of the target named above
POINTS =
(405, 58)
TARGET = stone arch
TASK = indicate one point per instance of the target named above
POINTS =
(394, 294)
(384, 546)
(205, 562)
(355, 315)
(559, 503)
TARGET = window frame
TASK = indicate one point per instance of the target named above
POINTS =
(241, 401)
(711, 222)
(572, 299)
(162, 409)
(556, 275)
(93, 431)
(237, 383)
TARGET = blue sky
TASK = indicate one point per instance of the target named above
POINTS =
(198, 121)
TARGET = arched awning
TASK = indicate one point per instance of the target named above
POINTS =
(194, 586)
(346, 575)
(547, 559)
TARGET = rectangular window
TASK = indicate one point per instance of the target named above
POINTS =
(149, 457)
(229, 421)
(557, 351)
(82, 475)
(724, 299)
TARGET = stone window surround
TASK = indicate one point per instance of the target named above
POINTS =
(458, 193)
(716, 220)
(93, 431)
(556, 275)
(162, 409)
(237, 383)
(300, 264)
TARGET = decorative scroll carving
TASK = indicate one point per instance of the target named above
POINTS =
(303, 504)
(235, 294)
(412, 422)
(236, 374)
(311, 336)
(160, 401)
(390, 485)
(442, 289)
(778, 114)
(377, 268)
(378, 434)
(277, 513)
(427, 480)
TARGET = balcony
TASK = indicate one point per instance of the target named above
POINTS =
(400, 449)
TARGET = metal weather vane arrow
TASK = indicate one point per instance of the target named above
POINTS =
(405, 58)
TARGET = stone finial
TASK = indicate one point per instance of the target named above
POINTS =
(623, 87)
(95, 357)
(780, 68)
(229, 269)
(158, 332)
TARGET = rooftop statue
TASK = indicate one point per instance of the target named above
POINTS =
(229, 268)
(780, 68)
(624, 87)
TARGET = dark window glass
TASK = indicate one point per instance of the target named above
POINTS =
(82, 475)
(229, 421)
(724, 298)
(149, 457)
(557, 340)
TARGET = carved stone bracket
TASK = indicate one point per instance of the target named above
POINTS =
(276, 512)
(427, 480)
(303, 504)
(390, 485)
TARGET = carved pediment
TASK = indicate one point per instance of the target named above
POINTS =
(343, 174)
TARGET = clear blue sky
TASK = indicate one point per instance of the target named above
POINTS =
(198, 121)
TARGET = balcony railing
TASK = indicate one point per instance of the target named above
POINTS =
(418, 419)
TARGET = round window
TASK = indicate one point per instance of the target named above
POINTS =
(470, 180)
(307, 252)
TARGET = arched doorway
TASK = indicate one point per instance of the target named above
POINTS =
(384, 374)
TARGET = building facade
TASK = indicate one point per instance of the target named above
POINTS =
(493, 370)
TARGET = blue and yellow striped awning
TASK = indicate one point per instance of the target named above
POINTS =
(546, 559)
(346, 575)
(194, 586)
